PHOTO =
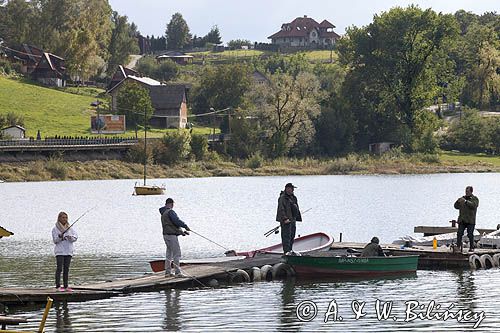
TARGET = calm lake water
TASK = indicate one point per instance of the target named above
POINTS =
(123, 232)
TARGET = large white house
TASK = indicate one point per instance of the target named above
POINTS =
(305, 32)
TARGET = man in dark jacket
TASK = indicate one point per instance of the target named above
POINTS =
(171, 225)
(373, 249)
(467, 207)
(288, 213)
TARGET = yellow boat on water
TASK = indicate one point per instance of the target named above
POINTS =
(5, 233)
(149, 189)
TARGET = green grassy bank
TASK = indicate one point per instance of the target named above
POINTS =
(58, 169)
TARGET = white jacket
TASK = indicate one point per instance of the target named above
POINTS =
(64, 247)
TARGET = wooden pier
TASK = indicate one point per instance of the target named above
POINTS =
(196, 276)
(432, 231)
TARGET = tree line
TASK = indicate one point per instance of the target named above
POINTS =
(91, 37)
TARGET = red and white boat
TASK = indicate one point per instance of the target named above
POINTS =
(312, 242)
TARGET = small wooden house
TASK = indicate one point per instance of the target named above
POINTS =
(50, 70)
(14, 132)
(179, 58)
(169, 101)
(380, 147)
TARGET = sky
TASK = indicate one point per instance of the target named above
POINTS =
(255, 20)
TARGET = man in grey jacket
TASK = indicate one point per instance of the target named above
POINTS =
(171, 225)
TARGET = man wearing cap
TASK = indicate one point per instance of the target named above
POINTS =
(467, 207)
(171, 225)
(373, 249)
(288, 213)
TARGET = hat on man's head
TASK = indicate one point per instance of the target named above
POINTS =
(290, 185)
(169, 200)
(375, 240)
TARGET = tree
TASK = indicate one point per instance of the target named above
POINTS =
(16, 21)
(391, 73)
(123, 42)
(177, 33)
(213, 36)
(238, 43)
(134, 102)
(287, 107)
(221, 87)
(165, 71)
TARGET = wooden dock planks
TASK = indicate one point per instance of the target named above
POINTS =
(195, 275)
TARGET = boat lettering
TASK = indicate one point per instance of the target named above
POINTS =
(348, 260)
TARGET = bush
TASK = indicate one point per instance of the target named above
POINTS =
(57, 168)
(344, 165)
(136, 153)
(255, 161)
(199, 146)
(176, 147)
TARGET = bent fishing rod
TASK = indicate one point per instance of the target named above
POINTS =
(225, 248)
(72, 224)
(276, 229)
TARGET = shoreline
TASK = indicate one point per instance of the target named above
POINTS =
(56, 169)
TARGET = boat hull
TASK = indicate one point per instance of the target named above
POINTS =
(149, 190)
(341, 266)
(308, 243)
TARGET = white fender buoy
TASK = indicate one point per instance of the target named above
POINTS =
(213, 283)
(239, 275)
(256, 274)
(496, 260)
(266, 273)
(486, 261)
(281, 269)
(474, 261)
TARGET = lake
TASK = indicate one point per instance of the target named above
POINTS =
(121, 233)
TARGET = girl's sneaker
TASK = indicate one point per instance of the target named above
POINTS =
(69, 289)
(60, 289)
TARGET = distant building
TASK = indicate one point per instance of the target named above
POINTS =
(177, 57)
(305, 32)
(50, 70)
(258, 78)
(169, 101)
(121, 73)
(44, 67)
(14, 132)
(380, 147)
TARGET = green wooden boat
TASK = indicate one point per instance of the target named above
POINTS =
(324, 264)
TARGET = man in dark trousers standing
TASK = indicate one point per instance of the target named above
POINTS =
(288, 213)
(467, 206)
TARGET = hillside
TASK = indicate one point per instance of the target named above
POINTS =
(51, 111)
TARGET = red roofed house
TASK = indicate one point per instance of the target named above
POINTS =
(305, 32)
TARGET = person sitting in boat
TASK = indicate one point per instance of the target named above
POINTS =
(373, 249)
(171, 225)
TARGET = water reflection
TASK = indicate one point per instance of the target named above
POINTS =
(287, 313)
(63, 320)
(171, 321)
(466, 288)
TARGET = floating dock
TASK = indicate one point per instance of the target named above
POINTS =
(432, 231)
(196, 276)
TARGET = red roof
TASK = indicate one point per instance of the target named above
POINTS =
(302, 26)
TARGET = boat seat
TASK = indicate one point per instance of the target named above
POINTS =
(41, 327)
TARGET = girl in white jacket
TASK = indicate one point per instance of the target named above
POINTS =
(63, 238)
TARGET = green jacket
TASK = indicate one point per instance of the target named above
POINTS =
(467, 209)
(372, 250)
(288, 208)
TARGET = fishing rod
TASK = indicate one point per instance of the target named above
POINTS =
(85, 213)
(276, 229)
(225, 248)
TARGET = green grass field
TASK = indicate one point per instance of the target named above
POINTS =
(63, 112)
(51, 111)
(463, 159)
